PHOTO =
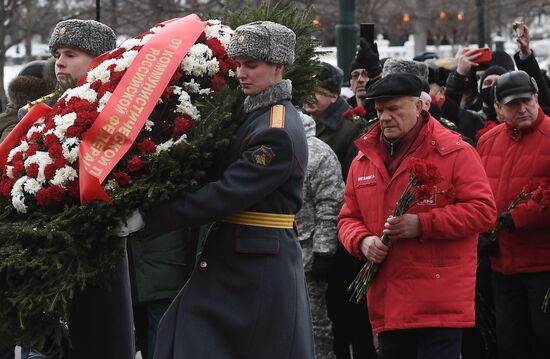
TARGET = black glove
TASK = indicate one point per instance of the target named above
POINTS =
(485, 246)
(507, 222)
(321, 267)
(369, 58)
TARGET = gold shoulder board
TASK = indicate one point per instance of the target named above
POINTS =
(277, 119)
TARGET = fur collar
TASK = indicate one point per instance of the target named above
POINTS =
(270, 96)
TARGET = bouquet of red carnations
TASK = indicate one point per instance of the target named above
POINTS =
(423, 178)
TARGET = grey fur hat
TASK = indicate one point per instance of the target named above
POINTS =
(91, 36)
(392, 66)
(263, 40)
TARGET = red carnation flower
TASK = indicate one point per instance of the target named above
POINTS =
(50, 140)
(182, 125)
(231, 63)
(135, 164)
(122, 178)
(178, 74)
(74, 131)
(50, 195)
(202, 37)
(32, 170)
(55, 151)
(73, 189)
(168, 90)
(49, 171)
(7, 187)
(224, 67)
(422, 193)
(33, 147)
(147, 146)
(18, 167)
(218, 82)
(35, 136)
(217, 48)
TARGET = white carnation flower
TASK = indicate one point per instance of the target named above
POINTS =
(110, 185)
(100, 72)
(64, 175)
(84, 92)
(70, 149)
(155, 29)
(213, 67)
(9, 172)
(18, 196)
(164, 146)
(103, 101)
(231, 73)
(146, 38)
(200, 51)
(192, 86)
(183, 138)
(43, 159)
(126, 60)
(206, 91)
(34, 129)
(149, 125)
(62, 123)
(130, 43)
(23, 147)
(32, 186)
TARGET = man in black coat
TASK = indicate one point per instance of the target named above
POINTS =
(247, 299)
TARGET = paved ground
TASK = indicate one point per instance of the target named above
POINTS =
(18, 354)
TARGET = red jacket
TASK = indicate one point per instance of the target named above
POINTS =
(429, 281)
(510, 164)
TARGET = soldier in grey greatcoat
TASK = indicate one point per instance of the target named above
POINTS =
(247, 299)
(323, 199)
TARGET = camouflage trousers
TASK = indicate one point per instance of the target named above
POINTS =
(322, 326)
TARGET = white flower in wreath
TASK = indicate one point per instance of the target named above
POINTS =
(84, 92)
(130, 43)
(32, 186)
(165, 146)
(149, 125)
(103, 101)
(41, 158)
(64, 175)
(213, 67)
(62, 123)
(191, 66)
(146, 38)
(23, 147)
(18, 196)
(100, 72)
(192, 86)
(218, 31)
(126, 60)
(34, 129)
(199, 51)
(70, 149)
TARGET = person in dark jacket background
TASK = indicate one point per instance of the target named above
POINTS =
(36, 79)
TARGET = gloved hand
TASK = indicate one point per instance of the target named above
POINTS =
(321, 267)
(485, 246)
(369, 58)
(507, 222)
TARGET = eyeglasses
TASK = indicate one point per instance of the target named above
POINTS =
(363, 73)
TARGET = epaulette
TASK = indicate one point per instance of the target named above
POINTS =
(39, 100)
(277, 118)
(448, 124)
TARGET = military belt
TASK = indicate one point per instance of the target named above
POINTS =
(261, 219)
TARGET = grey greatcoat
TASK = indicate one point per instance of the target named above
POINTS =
(247, 299)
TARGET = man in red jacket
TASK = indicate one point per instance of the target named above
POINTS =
(423, 293)
(516, 153)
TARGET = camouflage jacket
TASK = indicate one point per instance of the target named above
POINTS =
(323, 198)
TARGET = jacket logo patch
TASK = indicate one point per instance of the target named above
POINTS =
(369, 180)
(428, 201)
(263, 156)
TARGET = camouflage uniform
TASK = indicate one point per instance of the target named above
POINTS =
(323, 198)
